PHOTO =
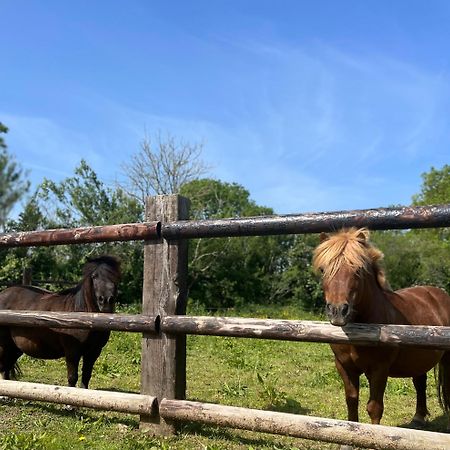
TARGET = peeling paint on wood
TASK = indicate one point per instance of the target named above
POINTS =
(83, 235)
(376, 219)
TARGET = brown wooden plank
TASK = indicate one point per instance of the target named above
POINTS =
(425, 336)
(89, 398)
(82, 235)
(307, 427)
(137, 323)
(429, 216)
(164, 293)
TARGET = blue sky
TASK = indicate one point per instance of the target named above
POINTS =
(310, 105)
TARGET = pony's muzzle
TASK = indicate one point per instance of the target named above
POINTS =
(105, 304)
(339, 314)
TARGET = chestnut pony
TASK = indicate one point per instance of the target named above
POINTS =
(356, 290)
(95, 293)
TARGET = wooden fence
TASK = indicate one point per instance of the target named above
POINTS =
(164, 325)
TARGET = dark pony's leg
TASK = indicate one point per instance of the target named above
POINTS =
(9, 354)
(420, 383)
(72, 362)
(89, 359)
(443, 383)
(91, 351)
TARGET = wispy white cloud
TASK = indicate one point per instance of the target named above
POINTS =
(309, 129)
(46, 147)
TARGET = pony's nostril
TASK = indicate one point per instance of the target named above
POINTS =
(345, 309)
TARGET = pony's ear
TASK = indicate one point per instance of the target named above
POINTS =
(363, 234)
(323, 237)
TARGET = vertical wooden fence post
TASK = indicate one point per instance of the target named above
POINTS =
(27, 276)
(163, 372)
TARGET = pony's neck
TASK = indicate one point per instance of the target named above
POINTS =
(372, 305)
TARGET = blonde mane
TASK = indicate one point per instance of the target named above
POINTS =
(349, 247)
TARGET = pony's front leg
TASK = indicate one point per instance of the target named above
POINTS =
(377, 385)
(90, 356)
(86, 373)
(420, 383)
(72, 362)
(351, 385)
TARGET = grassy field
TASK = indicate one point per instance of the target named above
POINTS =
(290, 377)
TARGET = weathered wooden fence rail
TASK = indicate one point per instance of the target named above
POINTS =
(310, 331)
(83, 235)
(424, 336)
(164, 326)
(307, 427)
(375, 219)
(137, 323)
(105, 400)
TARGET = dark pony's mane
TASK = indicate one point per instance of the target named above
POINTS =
(349, 247)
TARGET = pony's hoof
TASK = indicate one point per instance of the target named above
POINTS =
(417, 423)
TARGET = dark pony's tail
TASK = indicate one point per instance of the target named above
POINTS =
(442, 375)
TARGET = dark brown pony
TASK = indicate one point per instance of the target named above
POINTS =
(95, 293)
(356, 290)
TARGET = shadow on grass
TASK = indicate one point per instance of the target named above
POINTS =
(288, 405)
(228, 434)
(438, 424)
(72, 412)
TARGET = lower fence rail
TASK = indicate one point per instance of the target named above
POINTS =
(307, 427)
(105, 400)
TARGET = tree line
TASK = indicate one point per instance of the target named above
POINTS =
(223, 272)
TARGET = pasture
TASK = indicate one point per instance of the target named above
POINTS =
(274, 375)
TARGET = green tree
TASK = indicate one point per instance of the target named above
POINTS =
(3, 129)
(83, 200)
(42, 260)
(435, 187)
(298, 284)
(402, 258)
(162, 166)
(434, 244)
(420, 256)
(12, 181)
(227, 272)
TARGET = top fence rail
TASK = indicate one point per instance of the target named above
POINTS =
(376, 219)
(83, 235)
(433, 216)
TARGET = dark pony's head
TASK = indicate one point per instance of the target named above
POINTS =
(103, 274)
(345, 259)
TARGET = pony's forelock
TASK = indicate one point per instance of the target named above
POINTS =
(92, 263)
(349, 247)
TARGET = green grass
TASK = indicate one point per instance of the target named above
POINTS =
(298, 378)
